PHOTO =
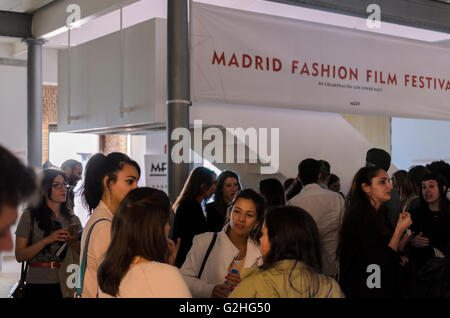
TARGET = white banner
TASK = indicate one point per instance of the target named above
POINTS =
(156, 172)
(239, 57)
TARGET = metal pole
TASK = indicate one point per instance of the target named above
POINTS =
(177, 87)
(34, 88)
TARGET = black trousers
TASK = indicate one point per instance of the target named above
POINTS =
(43, 291)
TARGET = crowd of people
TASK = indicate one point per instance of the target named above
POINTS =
(388, 237)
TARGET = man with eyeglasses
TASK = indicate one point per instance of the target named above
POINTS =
(73, 170)
(17, 183)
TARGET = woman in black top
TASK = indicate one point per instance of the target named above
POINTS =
(368, 248)
(189, 217)
(431, 220)
(273, 192)
(227, 185)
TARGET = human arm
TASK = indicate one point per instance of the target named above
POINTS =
(24, 253)
(406, 238)
(420, 241)
(404, 221)
(173, 250)
(191, 268)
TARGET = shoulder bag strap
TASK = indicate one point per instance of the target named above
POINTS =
(24, 268)
(84, 259)
(210, 247)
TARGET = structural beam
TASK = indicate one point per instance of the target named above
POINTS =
(177, 88)
(425, 14)
(34, 88)
(17, 25)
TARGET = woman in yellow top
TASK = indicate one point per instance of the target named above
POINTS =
(291, 254)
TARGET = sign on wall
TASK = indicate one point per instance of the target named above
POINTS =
(240, 57)
(156, 172)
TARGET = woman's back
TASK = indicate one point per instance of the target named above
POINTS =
(98, 244)
(282, 281)
(147, 279)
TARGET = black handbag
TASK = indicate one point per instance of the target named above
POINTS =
(18, 290)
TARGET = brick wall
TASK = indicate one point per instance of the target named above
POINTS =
(49, 115)
(108, 143)
(114, 143)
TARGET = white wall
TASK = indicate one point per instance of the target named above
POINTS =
(50, 66)
(418, 142)
(303, 134)
(13, 99)
(13, 109)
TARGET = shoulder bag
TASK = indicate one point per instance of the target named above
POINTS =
(79, 291)
(208, 251)
(18, 290)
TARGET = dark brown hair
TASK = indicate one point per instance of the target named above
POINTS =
(272, 191)
(221, 205)
(137, 230)
(17, 182)
(403, 184)
(97, 168)
(293, 235)
(362, 223)
(199, 181)
(260, 207)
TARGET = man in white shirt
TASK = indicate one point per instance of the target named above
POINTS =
(326, 208)
(324, 176)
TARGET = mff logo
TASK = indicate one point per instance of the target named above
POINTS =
(158, 168)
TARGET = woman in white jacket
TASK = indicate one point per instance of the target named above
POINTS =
(235, 247)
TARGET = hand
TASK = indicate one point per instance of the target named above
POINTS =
(233, 279)
(404, 222)
(404, 260)
(58, 236)
(221, 291)
(173, 250)
(420, 241)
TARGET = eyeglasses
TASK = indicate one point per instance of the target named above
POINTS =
(59, 185)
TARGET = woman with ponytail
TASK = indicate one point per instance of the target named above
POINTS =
(108, 179)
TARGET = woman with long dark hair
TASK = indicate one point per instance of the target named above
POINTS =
(404, 187)
(107, 181)
(290, 246)
(431, 220)
(227, 185)
(234, 248)
(51, 219)
(273, 192)
(189, 218)
(368, 248)
(139, 259)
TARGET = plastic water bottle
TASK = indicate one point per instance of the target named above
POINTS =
(233, 271)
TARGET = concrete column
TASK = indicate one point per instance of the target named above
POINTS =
(34, 89)
(177, 87)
